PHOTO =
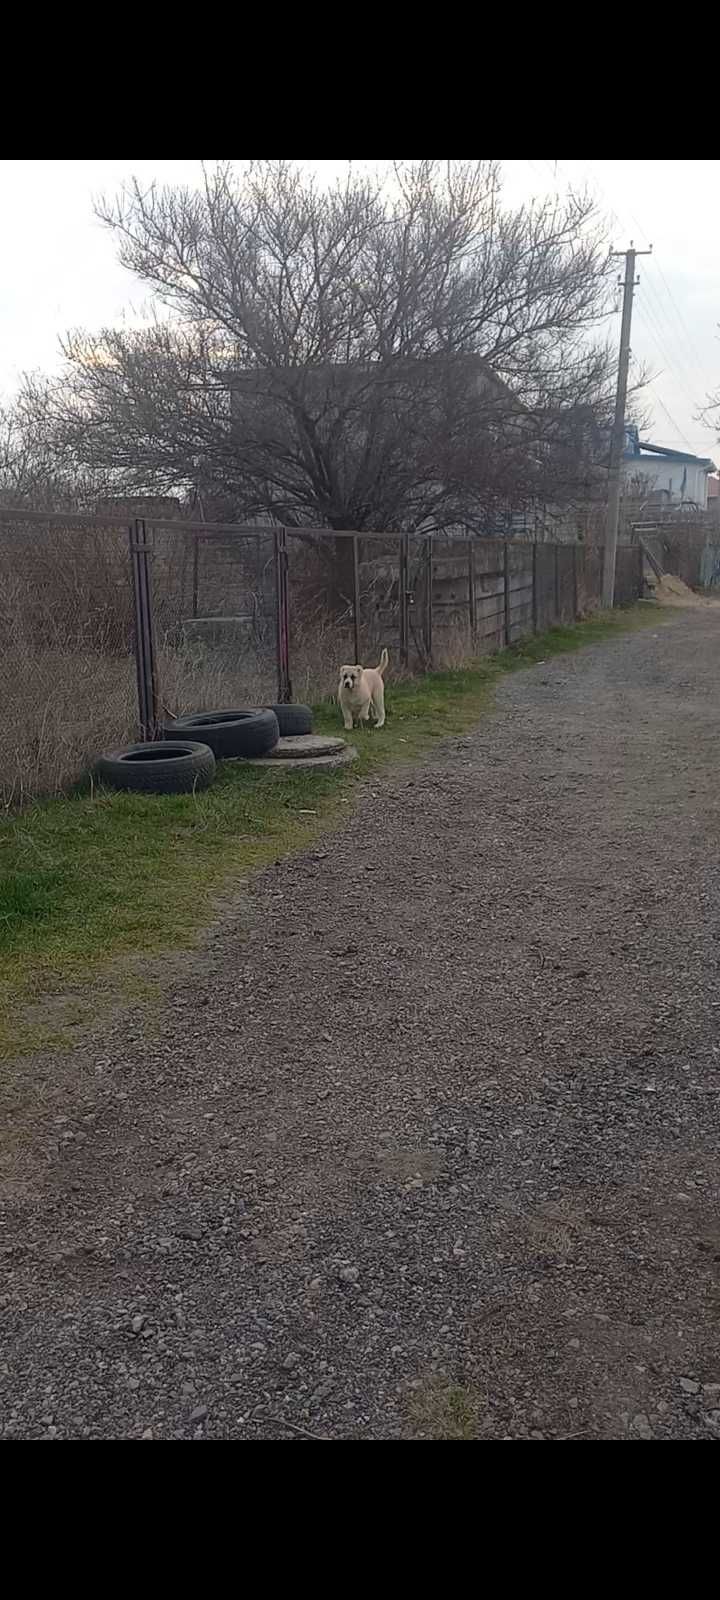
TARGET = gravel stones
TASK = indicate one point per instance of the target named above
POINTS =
(369, 1067)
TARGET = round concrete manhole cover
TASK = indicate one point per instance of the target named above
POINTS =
(304, 745)
(308, 750)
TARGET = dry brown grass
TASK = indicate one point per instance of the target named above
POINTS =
(59, 707)
(65, 701)
(62, 706)
(66, 663)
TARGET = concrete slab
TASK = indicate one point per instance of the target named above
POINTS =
(337, 758)
(301, 746)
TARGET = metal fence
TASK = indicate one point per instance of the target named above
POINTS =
(200, 614)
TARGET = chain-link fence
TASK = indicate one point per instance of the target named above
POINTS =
(66, 651)
(100, 618)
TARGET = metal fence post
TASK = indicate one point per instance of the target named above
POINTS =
(195, 574)
(356, 596)
(145, 665)
(506, 589)
(282, 615)
(428, 601)
(557, 583)
(535, 587)
(403, 579)
(472, 609)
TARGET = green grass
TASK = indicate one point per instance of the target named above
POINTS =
(440, 1410)
(99, 875)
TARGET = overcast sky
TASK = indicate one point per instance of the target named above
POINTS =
(58, 267)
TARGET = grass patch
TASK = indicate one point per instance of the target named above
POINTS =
(96, 875)
(440, 1410)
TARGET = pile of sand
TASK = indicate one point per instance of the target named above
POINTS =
(670, 591)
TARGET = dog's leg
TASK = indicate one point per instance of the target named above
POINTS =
(379, 706)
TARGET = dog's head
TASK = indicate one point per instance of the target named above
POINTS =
(350, 677)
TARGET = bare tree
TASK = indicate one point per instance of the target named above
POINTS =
(22, 466)
(388, 355)
(34, 472)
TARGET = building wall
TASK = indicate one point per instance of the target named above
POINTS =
(666, 477)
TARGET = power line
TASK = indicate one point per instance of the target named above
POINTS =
(685, 331)
(671, 361)
(652, 328)
(680, 361)
(672, 421)
(653, 316)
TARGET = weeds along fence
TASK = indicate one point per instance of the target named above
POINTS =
(109, 630)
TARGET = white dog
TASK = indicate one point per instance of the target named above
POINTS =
(361, 690)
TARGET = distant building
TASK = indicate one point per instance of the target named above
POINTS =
(665, 477)
(162, 507)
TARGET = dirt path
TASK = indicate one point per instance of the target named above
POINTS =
(429, 1142)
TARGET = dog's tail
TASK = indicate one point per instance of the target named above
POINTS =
(382, 664)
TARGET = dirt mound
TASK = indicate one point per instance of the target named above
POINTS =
(670, 591)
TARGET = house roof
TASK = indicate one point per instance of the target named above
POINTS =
(640, 448)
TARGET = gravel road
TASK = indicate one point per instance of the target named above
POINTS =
(424, 1139)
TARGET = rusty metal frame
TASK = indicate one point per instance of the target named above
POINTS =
(356, 596)
(145, 661)
(506, 590)
(195, 576)
(428, 619)
(404, 598)
(282, 608)
(472, 608)
(142, 529)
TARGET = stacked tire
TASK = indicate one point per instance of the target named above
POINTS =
(184, 759)
(229, 734)
(293, 720)
(167, 766)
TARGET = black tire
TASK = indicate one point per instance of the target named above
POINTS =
(168, 766)
(293, 720)
(229, 733)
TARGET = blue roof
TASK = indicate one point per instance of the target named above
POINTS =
(650, 452)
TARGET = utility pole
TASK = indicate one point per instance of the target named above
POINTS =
(618, 430)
